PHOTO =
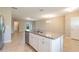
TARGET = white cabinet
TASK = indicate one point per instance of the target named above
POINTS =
(34, 41)
(31, 39)
(43, 44)
(55, 45)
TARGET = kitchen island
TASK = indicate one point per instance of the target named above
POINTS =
(43, 42)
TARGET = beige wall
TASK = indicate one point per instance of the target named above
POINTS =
(68, 16)
(6, 13)
(22, 26)
(55, 26)
(58, 24)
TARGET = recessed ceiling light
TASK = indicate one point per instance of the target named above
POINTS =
(71, 9)
(48, 16)
(28, 18)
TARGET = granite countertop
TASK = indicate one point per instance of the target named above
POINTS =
(48, 35)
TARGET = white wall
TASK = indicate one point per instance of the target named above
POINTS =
(6, 13)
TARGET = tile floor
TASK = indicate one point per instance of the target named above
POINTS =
(17, 44)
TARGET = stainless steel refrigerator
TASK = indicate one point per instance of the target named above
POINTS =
(2, 30)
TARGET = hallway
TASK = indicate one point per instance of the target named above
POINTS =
(17, 44)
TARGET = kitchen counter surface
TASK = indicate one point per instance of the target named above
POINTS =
(48, 35)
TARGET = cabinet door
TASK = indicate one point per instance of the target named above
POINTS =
(36, 42)
(56, 45)
(31, 39)
(44, 45)
(40, 44)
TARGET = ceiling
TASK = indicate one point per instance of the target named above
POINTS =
(20, 13)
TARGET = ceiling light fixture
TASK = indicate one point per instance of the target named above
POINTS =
(29, 18)
(48, 21)
(48, 16)
(71, 9)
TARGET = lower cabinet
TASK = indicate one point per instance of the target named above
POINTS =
(31, 39)
(42, 44)
(34, 41)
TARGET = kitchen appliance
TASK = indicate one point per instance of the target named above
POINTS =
(2, 30)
